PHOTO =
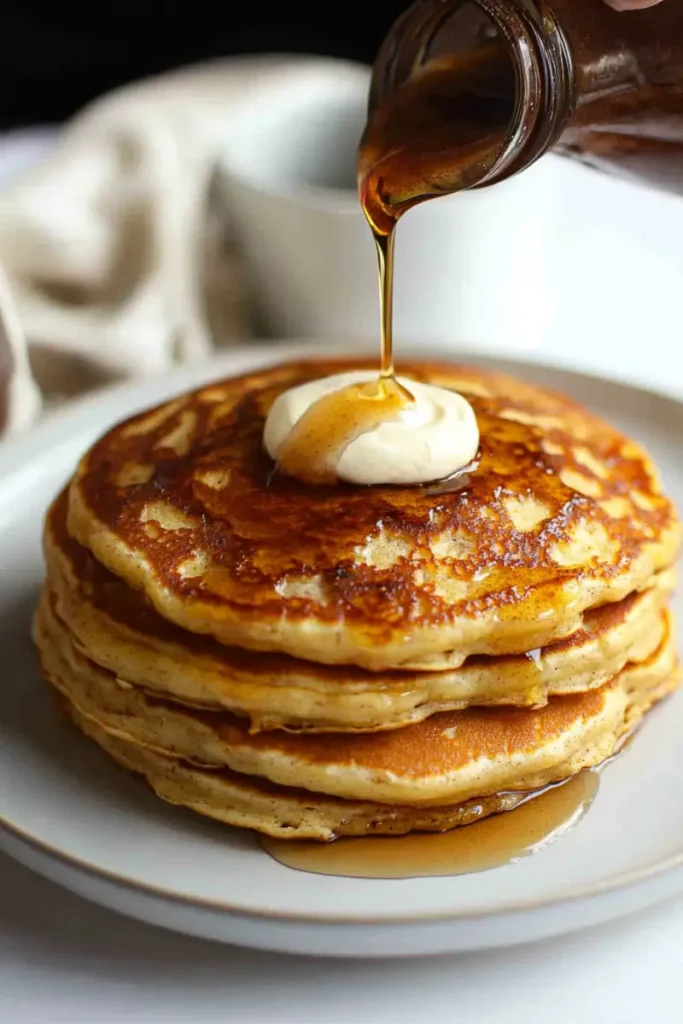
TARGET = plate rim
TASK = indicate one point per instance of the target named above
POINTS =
(625, 881)
(163, 386)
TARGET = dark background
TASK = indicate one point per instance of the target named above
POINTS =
(55, 57)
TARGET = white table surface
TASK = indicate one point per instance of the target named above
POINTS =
(62, 959)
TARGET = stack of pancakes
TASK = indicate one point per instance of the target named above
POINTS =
(314, 662)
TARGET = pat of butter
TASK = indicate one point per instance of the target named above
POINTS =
(432, 438)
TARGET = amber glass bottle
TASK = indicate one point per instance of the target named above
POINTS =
(467, 92)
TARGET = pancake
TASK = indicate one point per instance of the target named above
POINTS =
(286, 813)
(117, 629)
(560, 514)
(451, 757)
(248, 802)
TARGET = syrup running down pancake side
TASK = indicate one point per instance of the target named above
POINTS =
(501, 839)
(310, 661)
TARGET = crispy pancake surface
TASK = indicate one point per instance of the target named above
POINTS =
(117, 629)
(452, 756)
(559, 515)
(250, 801)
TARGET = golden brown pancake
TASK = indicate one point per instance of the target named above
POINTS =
(452, 756)
(561, 514)
(252, 802)
(117, 629)
(320, 661)
(248, 802)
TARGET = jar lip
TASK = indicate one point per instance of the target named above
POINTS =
(544, 76)
(523, 55)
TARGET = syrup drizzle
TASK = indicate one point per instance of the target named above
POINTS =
(501, 839)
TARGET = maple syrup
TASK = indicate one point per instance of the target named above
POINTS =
(454, 112)
(312, 450)
(466, 93)
(439, 133)
(498, 840)
(313, 447)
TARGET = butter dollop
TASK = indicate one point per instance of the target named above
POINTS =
(432, 438)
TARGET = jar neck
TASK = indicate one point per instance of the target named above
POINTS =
(464, 93)
(544, 76)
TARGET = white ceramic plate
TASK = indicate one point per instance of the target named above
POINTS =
(70, 814)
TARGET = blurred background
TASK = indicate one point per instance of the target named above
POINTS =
(144, 226)
(57, 57)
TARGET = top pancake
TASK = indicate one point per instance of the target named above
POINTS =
(560, 514)
(119, 630)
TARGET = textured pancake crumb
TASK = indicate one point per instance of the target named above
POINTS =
(382, 577)
(120, 631)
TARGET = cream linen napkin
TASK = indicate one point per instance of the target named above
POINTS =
(19, 397)
(115, 250)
